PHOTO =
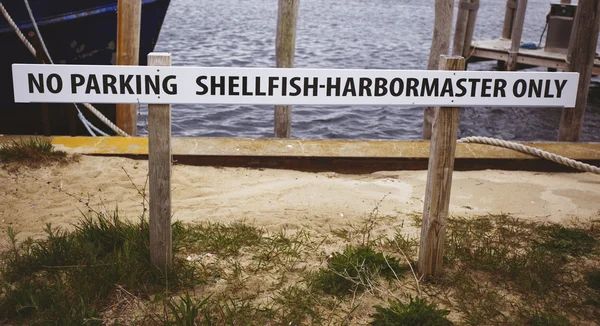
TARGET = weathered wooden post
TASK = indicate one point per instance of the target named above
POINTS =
(515, 36)
(440, 44)
(285, 48)
(159, 166)
(580, 58)
(129, 16)
(41, 58)
(509, 17)
(465, 27)
(439, 181)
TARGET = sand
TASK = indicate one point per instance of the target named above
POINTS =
(281, 198)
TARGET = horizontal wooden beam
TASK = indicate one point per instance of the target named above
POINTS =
(308, 148)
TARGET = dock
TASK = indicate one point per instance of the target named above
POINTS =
(499, 50)
(570, 46)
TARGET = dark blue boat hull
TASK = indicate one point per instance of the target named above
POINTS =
(75, 32)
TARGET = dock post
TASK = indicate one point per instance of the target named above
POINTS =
(439, 181)
(159, 169)
(515, 36)
(41, 58)
(465, 27)
(285, 48)
(580, 58)
(509, 17)
(129, 15)
(440, 45)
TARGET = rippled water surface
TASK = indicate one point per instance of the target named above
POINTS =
(366, 34)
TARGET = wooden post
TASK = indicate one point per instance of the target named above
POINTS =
(509, 17)
(580, 58)
(473, 8)
(41, 58)
(439, 181)
(515, 37)
(462, 19)
(440, 45)
(285, 47)
(129, 15)
(159, 166)
(465, 27)
(72, 116)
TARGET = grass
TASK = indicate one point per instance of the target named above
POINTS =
(31, 152)
(496, 263)
(417, 312)
(498, 270)
(356, 269)
(67, 277)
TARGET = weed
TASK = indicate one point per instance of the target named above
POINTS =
(298, 306)
(497, 262)
(283, 251)
(356, 269)
(220, 239)
(184, 311)
(593, 280)
(546, 319)
(32, 152)
(417, 312)
(68, 275)
(405, 243)
(565, 241)
(479, 302)
(502, 246)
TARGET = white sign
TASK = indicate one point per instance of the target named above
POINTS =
(170, 85)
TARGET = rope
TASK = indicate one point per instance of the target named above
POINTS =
(16, 29)
(105, 120)
(37, 30)
(88, 125)
(532, 151)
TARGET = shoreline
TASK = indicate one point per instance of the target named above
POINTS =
(275, 198)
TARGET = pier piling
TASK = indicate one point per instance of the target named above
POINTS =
(580, 58)
(515, 36)
(440, 45)
(465, 26)
(285, 47)
(129, 15)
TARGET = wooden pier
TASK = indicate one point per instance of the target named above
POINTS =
(526, 58)
(571, 46)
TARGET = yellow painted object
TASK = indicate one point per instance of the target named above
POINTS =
(309, 148)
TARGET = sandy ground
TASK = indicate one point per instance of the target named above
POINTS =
(279, 198)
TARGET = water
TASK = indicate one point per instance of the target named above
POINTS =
(364, 34)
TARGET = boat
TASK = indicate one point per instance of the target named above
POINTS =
(75, 32)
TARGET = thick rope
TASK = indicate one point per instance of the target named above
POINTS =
(88, 125)
(37, 30)
(105, 120)
(532, 151)
(16, 29)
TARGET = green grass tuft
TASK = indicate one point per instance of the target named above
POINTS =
(220, 239)
(356, 269)
(418, 312)
(593, 280)
(565, 241)
(67, 276)
(31, 152)
(547, 319)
